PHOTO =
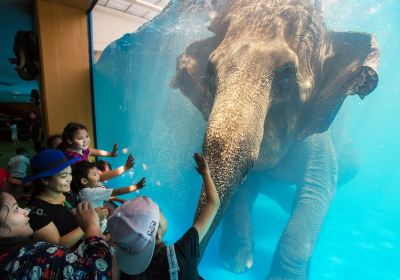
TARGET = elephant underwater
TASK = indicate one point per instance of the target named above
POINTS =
(268, 78)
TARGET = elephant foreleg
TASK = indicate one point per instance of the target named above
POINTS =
(315, 193)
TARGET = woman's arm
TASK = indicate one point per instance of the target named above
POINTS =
(107, 175)
(129, 189)
(101, 153)
(204, 220)
(49, 233)
(86, 217)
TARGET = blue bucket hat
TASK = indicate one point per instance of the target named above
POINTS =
(48, 163)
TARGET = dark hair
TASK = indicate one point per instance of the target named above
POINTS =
(21, 150)
(2, 192)
(80, 170)
(49, 143)
(101, 165)
(68, 134)
(38, 187)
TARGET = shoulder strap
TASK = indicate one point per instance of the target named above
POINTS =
(172, 262)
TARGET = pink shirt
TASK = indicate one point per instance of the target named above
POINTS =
(72, 154)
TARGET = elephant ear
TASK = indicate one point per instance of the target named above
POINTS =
(350, 70)
(193, 76)
(356, 55)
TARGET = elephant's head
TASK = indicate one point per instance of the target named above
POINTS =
(271, 75)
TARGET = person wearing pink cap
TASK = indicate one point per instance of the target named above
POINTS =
(137, 228)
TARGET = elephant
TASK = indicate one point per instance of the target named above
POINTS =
(26, 50)
(270, 81)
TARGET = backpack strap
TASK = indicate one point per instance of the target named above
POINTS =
(172, 262)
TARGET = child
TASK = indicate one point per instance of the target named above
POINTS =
(87, 185)
(53, 141)
(18, 166)
(75, 143)
(14, 132)
(138, 226)
(107, 173)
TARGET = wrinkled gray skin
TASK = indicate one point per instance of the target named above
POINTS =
(279, 183)
(271, 77)
(312, 160)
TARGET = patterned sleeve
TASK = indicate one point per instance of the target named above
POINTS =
(92, 259)
(41, 260)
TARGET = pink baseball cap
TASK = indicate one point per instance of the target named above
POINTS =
(133, 227)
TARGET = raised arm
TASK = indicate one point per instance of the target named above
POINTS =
(129, 189)
(107, 175)
(101, 153)
(204, 220)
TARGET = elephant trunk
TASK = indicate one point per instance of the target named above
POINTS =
(234, 135)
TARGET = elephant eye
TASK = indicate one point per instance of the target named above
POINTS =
(285, 84)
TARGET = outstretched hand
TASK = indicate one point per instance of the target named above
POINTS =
(130, 161)
(141, 183)
(201, 164)
(114, 150)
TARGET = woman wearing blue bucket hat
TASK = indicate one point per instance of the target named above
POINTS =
(51, 208)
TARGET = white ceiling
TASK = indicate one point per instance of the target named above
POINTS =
(113, 18)
(146, 9)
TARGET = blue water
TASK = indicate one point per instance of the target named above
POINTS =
(136, 108)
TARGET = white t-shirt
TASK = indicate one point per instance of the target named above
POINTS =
(18, 166)
(96, 196)
(13, 128)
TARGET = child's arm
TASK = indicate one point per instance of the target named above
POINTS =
(107, 175)
(125, 190)
(204, 220)
(101, 153)
(117, 199)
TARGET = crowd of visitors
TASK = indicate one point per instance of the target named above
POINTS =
(69, 231)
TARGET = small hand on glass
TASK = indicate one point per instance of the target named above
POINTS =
(201, 163)
(141, 183)
(130, 161)
(114, 150)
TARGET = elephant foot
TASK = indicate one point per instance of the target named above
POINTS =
(237, 260)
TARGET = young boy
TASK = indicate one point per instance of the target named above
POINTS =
(138, 226)
(19, 164)
(87, 185)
